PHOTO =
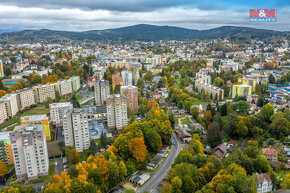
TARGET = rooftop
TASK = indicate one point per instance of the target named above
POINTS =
(65, 104)
(4, 135)
(34, 118)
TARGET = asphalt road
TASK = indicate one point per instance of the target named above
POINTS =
(59, 166)
(163, 169)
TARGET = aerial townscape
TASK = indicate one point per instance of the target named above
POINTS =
(145, 108)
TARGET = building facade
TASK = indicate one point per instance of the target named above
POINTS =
(76, 129)
(43, 92)
(215, 92)
(6, 155)
(264, 183)
(64, 87)
(76, 82)
(1, 69)
(241, 90)
(117, 111)
(37, 119)
(131, 94)
(249, 80)
(102, 90)
(56, 112)
(127, 77)
(25, 98)
(29, 151)
(3, 112)
(11, 104)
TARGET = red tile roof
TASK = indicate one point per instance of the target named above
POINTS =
(270, 151)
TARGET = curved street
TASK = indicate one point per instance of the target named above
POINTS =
(163, 170)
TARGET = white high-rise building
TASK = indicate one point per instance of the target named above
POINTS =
(127, 77)
(76, 82)
(29, 151)
(76, 129)
(102, 90)
(56, 112)
(117, 111)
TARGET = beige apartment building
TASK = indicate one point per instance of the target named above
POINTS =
(25, 98)
(102, 91)
(29, 151)
(3, 112)
(117, 111)
(11, 104)
(131, 94)
(64, 87)
(42, 92)
(56, 112)
(76, 129)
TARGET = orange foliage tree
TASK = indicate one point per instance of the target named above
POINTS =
(138, 149)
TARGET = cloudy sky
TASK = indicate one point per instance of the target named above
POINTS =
(81, 15)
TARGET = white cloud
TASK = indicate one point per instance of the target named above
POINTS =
(73, 19)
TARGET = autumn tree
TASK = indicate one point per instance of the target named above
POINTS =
(138, 149)
(286, 183)
(2, 93)
(207, 117)
(73, 156)
(3, 169)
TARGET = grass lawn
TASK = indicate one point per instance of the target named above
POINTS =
(281, 174)
(12, 178)
(43, 178)
(86, 103)
(78, 97)
(40, 109)
(185, 121)
(197, 101)
(10, 167)
(176, 119)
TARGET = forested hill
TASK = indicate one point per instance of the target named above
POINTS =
(140, 32)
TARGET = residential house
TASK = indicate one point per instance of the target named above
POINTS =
(264, 183)
(271, 154)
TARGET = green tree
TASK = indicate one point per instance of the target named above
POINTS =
(171, 119)
(242, 107)
(214, 134)
(93, 147)
(194, 112)
(271, 79)
(152, 139)
(103, 140)
(261, 164)
(266, 112)
(77, 186)
(176, 185)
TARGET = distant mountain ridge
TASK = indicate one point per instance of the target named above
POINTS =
(141, 32)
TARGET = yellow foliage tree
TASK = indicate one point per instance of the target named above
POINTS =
(138, 149)
(3, 169)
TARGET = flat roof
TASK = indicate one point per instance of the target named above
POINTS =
(33, 118)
